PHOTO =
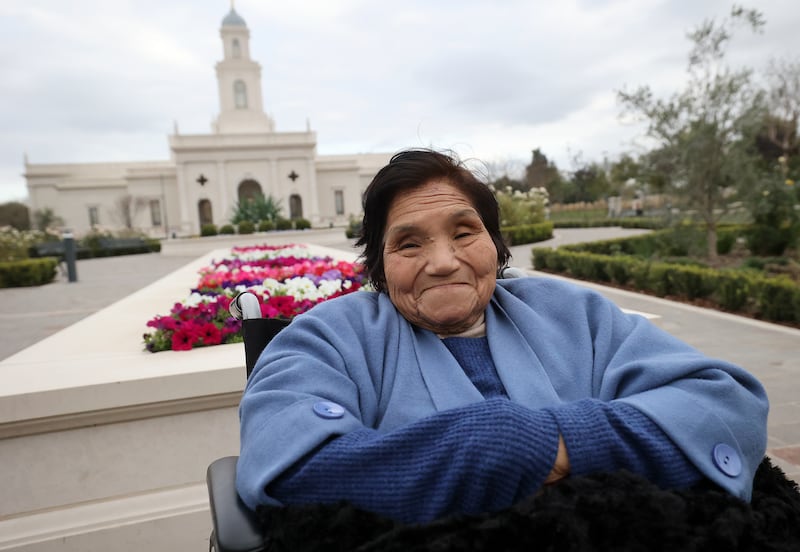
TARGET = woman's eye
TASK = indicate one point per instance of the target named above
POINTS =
(407, 245)
(463, 235)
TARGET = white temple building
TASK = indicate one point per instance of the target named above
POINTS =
(207, 174)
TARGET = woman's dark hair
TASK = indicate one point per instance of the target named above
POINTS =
(410, 169)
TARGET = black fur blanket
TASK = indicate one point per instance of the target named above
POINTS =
(603, 512)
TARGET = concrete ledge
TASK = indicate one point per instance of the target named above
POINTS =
(102, 515)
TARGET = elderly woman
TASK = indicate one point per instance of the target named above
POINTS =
(448, 391)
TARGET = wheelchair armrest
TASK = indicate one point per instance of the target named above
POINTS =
(236, 527)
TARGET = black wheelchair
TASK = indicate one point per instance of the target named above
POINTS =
(236, 528)
(600, 512)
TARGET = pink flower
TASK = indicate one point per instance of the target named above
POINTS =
(208, 322)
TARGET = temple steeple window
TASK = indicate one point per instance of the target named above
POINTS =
(240, 94)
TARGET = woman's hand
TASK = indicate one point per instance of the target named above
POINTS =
(561, 466)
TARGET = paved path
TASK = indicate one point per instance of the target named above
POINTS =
(769, 351)
(29, 314)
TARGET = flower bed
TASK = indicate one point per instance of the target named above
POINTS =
(288, 281)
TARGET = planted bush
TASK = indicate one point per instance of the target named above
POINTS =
(208, 230)
(778, 299)
(302, 224)
(769, 298)
(266, 226)
(528, 233)
(283, 224)
(28, 272)
(227, 229)
(353, 229)
(246, 227)
(734, 291)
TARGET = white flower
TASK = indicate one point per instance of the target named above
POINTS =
(329, 287)
(297, 251)
(195, 299)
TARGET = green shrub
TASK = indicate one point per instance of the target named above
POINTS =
(28, 272)
(645, 246)
(283, 224)
(208, 230)
(266, 226)
(770, 298)
(540, 257)
(778, 299)
(621, 269)
(15, 245)
(681, 241)
(692, 282)
(768, 240)
(588, 266)
(246, 227)
(227, 229)
(733, 290)
(528, 233)
(600, 221)
(543, 258)
(725, 241)
(353, 229)
(256, 209)
(519, 208)
(302, 224)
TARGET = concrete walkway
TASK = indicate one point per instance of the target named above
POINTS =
(30, 314)
(771, 352)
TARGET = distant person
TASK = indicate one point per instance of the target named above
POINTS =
(449, 391)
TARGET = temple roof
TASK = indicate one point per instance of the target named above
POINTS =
(233, 19)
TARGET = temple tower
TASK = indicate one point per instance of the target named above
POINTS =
(239, 80)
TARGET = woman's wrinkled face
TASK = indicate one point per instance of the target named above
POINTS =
(439, 261)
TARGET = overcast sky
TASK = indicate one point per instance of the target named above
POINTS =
(106, 80)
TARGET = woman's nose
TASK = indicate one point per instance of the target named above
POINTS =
(441, 258)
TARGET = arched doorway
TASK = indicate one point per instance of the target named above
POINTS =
(249, 189)
(204, 212)
(295, 206)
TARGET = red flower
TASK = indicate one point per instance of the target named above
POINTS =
(210, 334)
(183, 340)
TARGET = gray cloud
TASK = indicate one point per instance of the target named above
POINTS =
(96, 80)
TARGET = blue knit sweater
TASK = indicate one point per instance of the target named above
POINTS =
(482, 457)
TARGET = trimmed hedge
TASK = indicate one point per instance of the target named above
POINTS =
(302, 224)
(768, 298)
(111, 247)
(208, 230)
(283, 224)
(528, 233)
(246, 227)
(669, 242)
(97, 247)
(29, 272)
(648, 223)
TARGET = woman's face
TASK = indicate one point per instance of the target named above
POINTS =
(439, 261)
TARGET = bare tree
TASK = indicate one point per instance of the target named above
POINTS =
(783, 81)
(126, 208)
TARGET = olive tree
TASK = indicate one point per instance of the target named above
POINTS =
(705, 133)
